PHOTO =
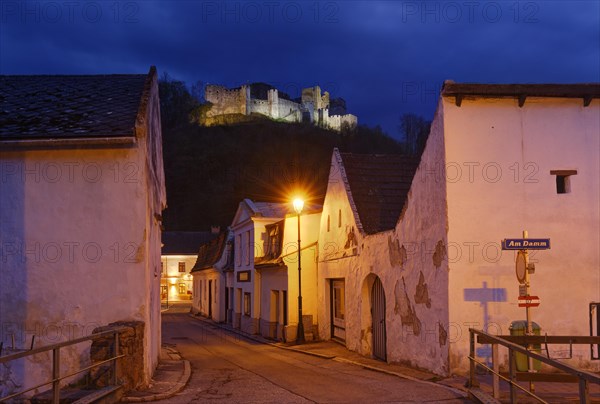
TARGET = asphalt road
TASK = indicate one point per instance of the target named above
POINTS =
(230, 368)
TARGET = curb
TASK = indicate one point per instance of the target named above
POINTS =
(177, 387)
(260, 340)
(462, 393)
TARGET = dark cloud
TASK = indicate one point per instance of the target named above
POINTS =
(385, 58)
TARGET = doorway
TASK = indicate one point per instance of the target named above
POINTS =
(378, 320)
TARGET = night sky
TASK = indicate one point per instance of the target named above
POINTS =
(384, 58)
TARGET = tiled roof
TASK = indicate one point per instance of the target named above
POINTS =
(184, 242)
(210, 253)
(270, 209)
(42, 107)
(379, 185)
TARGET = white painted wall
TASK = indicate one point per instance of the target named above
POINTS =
(511, 151)
(405, 259)
(172, 277)
(80, 245)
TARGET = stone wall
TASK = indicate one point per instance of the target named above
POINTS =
(226, 101)
(130, 368)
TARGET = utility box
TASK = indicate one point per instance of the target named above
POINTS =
(519, 327)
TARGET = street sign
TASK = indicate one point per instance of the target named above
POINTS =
(521, 266)
(529, 301)
(526, 244)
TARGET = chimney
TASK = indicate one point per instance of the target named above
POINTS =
(215, 229)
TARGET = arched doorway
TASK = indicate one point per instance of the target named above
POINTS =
(378, 320)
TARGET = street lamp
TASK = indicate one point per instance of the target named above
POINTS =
(298, 205)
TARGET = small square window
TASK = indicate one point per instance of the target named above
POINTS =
(563, 180)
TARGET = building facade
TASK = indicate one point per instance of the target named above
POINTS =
(213, 279)
(264, 295)
(499, 159)
(178, 256)
(81, 194)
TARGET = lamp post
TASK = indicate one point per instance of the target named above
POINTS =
(298, 205)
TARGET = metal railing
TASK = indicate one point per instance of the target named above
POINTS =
(584, 377)
(55, 348)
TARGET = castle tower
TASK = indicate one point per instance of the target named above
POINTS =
(245, 99)
(273, 99)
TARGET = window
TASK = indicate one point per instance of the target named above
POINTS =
(238, 300)
(340, 218)
(563, 180)
(249, 245)
(247, 305)
(182, 267)
(328, 222)
(338, 300)
(238, 253)
(182, 289)
(243, 276)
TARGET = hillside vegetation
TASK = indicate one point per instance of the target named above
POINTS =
(209, 170)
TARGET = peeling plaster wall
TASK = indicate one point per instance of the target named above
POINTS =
(410, 261)
(499, 158)
(415, 275)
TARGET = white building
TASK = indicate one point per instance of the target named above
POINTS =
(499, 159)
(265, 290)
(213, 279)
(81, 195)
(178, 256)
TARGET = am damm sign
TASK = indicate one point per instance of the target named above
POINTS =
(526, 244)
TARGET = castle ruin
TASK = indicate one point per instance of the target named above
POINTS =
(259, 98)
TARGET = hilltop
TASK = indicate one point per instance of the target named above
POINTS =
(209, 170)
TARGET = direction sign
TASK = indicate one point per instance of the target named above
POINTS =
(529, 301)
(526, 244)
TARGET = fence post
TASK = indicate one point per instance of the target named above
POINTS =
(115, 361)
(584, 392)
(512, 369)
(56, 375)
(472, 381)
(496, 369)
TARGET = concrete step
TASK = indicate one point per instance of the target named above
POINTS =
(69, 395)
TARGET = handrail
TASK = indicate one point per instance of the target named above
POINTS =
(584, 376)
(91, 337)
(55, 348)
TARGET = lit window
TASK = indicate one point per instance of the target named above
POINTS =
(563, 180)
(182, 289)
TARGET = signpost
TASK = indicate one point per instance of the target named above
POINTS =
(523, 270)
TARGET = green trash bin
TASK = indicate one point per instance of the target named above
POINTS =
(519, 327)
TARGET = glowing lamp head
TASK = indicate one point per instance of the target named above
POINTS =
(298, 205)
